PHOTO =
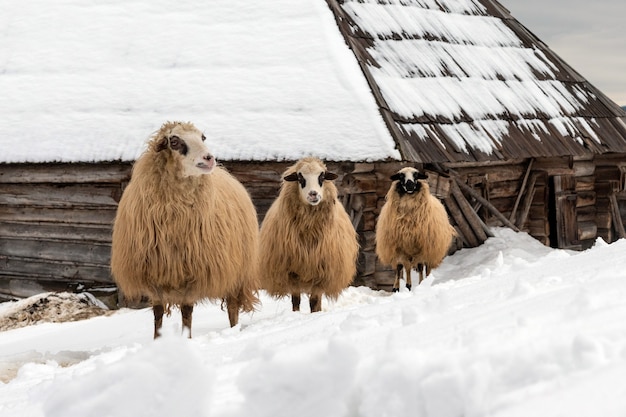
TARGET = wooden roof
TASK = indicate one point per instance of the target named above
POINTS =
(462, 80)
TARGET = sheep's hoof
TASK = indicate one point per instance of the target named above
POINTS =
(408, 286)
(395, 290)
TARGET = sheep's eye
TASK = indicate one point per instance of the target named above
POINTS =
(203, 138)
(321, 179)
(301, 180)
(179, 145)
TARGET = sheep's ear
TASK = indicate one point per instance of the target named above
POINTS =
(330, 176)
(162, 144)
(395, 177)
(421, 176)
(291, 177)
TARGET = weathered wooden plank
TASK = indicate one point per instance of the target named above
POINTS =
(359, 183)
(587, 230)
(487, 205)
(503, 189)
(468, 212)
(617, 218)
(603, 220)
(522, 189)
(65, 173)
(496, 173)
(464, 228)
(12, 287)
(567, 226)
(37, 231)
(45, 195)
(584, 168)
(585, 184)
(585, 198)
(52, 250)
(32, 268)
(101, 215)
(526, 205)
(555, 165)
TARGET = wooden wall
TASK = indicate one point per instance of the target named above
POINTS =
(55, 226)
(56, 219)
(562, 202)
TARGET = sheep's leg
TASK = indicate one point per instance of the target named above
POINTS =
(295, 301)
(396, 283)
(407, 271)
(158, 311)
(427, 270)
(232, 306)
(315, 302)
(186, 311)
(420, 269)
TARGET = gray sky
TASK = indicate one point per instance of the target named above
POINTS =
(587, 34)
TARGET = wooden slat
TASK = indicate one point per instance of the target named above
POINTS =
(45, 195)
(465, 229)
(52, 250)
(487, 205)
(64, 173)
(12, 287)
(72, 232)
(617, 218)
(522, 189)
(102, 216)
(468, 212)
(31, 268)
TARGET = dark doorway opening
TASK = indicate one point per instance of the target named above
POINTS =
(552, 214)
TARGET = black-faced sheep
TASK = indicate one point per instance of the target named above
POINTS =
(185, 230)
(413, 230)
(308, 244)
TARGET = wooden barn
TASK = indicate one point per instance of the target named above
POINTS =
(508, 132)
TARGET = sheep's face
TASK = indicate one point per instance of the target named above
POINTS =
(408, 180)
(310, 178)
(186, 143)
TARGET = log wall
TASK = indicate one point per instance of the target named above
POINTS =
(56, 219)
(55, 227)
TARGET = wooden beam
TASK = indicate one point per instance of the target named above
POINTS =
(528, 201)
(469, 213)
(466, 231)
(521, 190)
(486, 204)
(617, 218)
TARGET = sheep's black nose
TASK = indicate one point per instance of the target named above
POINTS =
(208, 157)
(410, 186)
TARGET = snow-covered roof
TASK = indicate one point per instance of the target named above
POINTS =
(421, 80)
(265, 80)
(462, 80)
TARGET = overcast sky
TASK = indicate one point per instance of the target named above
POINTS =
(587, 34)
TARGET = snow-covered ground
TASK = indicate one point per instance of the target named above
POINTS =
(511, 328)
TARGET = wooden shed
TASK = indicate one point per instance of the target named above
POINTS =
(508, 132)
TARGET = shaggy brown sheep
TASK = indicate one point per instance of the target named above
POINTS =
(185, 230)
(413, 230)
(308, 244)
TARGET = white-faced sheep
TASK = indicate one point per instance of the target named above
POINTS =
(308, 244)
(413, 230)
(185, 230)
